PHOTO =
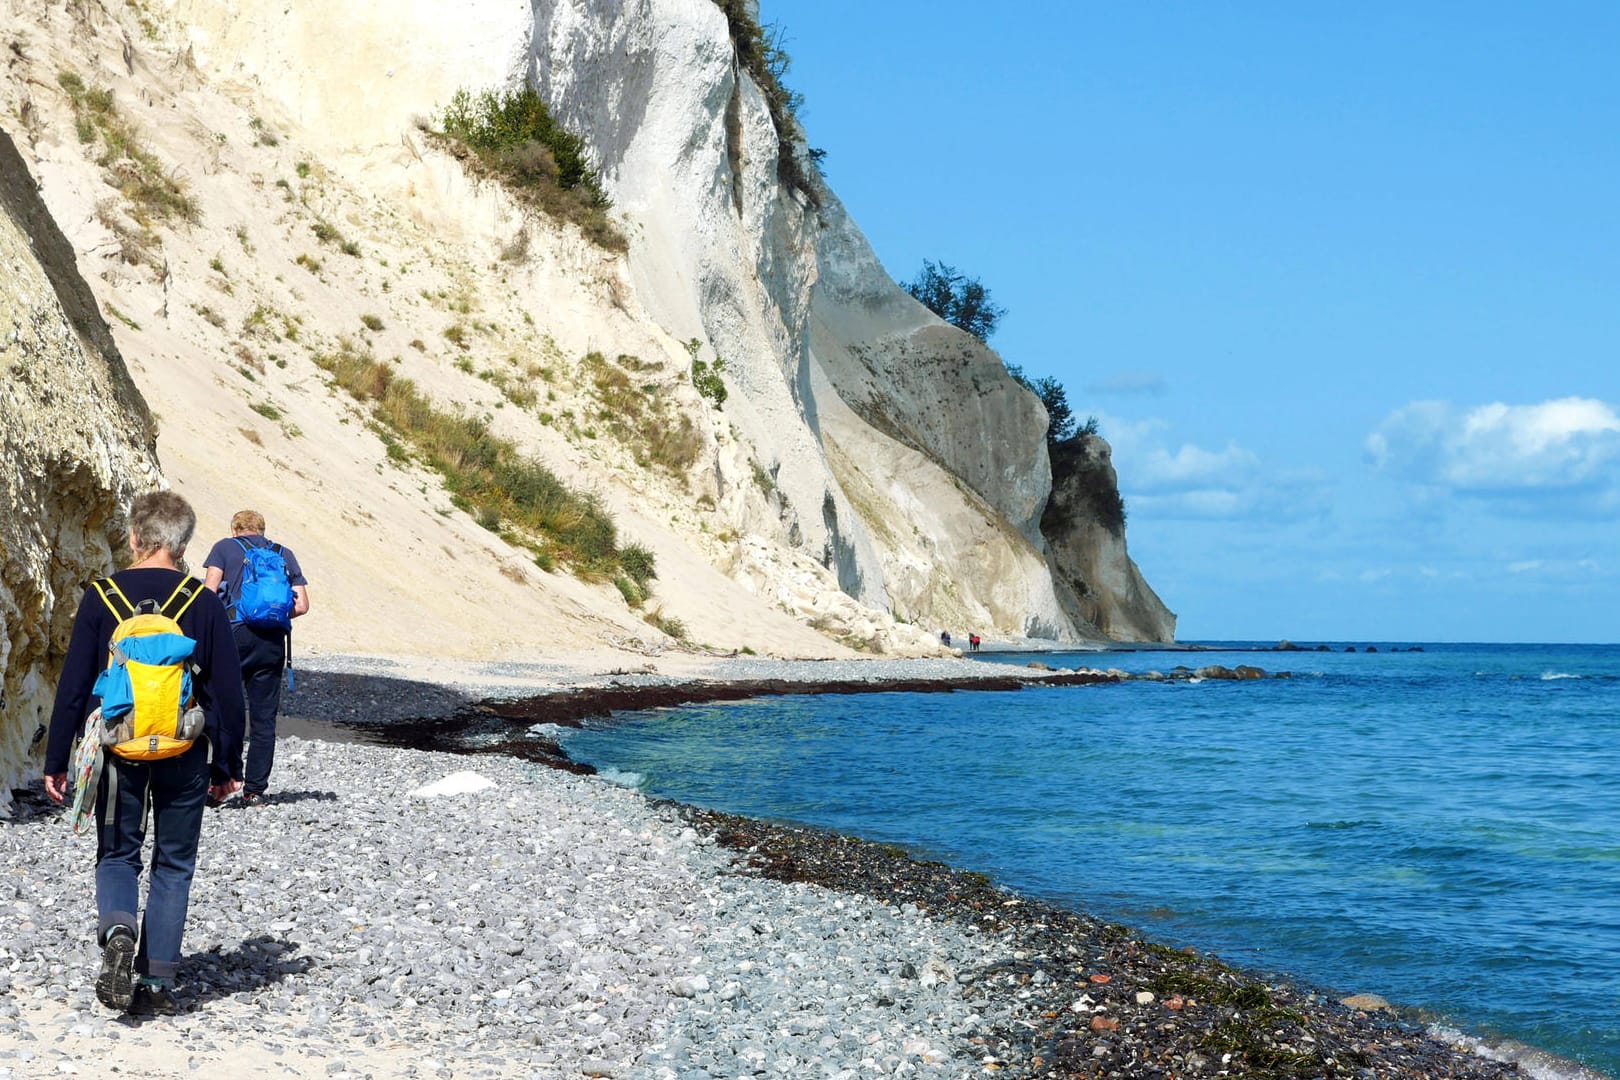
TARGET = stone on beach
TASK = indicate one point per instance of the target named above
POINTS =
(545, 935)
(575, 929)
(457, 783)
(1367, 1003)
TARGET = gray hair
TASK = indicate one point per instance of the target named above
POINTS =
(161, 519)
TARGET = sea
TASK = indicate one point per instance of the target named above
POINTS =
(1435, 823)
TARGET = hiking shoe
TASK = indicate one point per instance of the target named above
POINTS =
(253, 798)
(115, 984)
(154, 1001)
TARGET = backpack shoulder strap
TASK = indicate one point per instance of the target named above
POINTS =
(179, 600)
(108, 590)
(243, 544)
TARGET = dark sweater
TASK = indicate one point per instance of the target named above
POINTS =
(218, 686)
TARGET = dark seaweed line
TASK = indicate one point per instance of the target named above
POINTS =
(501, 726)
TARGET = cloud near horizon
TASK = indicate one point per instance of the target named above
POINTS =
(1562, 446)
(1193, 482)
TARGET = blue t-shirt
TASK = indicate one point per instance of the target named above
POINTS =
(226, 555)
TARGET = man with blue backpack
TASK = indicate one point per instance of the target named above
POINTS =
(263, 590)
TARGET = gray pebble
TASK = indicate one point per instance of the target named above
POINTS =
(550, 924)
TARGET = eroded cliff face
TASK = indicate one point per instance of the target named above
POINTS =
(77, 442)
(1085, 528)
(721, 251)
(944, 452)
(834, 364)
(890, 448)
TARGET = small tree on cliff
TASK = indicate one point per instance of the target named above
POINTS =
(958, 299)
(1058, 413)
(1060, 417)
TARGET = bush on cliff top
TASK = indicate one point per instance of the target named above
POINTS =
(761, 54)
(960, 300)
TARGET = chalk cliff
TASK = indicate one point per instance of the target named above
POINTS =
(77, 443)
(873, 475)
(1084, 523)
(835, 363)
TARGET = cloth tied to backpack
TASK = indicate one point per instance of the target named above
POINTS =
(87, 764)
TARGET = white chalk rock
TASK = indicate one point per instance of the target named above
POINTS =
(457, 783)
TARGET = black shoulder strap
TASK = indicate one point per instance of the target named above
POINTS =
(179, 600)
(108, 590)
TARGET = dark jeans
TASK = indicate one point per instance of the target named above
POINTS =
(263, 654)
(174, 790)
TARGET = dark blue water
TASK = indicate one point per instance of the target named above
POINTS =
(1441, 827)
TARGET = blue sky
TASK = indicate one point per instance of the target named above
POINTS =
(1341, 282)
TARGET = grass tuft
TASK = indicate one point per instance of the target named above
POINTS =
(670, 625)
(152, 192)
(482, 471)
(638, 416)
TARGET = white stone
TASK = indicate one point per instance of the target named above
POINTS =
(465, 782)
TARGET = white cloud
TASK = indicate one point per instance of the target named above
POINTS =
(1559, 445)
(1192, 466)
(1191, 481)
(1556, 569)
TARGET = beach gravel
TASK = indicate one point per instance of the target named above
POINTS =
(549, 925)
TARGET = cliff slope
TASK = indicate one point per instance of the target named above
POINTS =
(77, 443)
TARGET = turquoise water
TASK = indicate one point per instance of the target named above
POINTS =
(1441, 827)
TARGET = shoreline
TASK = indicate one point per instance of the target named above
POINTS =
(582, 695)
(976, 980)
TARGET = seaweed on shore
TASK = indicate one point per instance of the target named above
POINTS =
(504, 726)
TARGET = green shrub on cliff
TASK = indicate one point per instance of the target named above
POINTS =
(512, 136)
(1059, 415)
(960, 300)
(486, 474)
(760, 52)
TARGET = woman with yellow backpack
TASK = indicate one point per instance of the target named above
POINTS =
(151, 676)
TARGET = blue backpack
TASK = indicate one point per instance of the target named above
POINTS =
(266, 597)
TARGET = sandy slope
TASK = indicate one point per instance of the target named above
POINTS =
(221, 323)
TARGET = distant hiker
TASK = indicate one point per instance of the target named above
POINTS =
(263, 590)
(973, 642)
(179, 773)
(945, 638)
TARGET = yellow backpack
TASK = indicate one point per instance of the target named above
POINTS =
(147, 709)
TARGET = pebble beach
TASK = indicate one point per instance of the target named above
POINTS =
(411, 913)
